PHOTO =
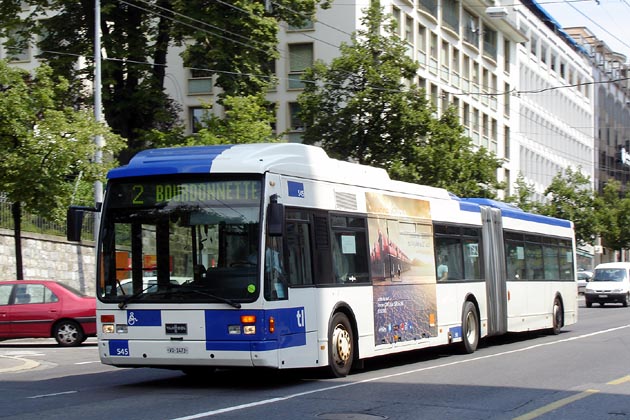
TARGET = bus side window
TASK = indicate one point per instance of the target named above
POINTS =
(349, 248)
(298, 238)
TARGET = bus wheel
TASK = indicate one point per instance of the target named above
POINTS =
(470, 327)
(558, 315)
(340, 346)
(626, 300)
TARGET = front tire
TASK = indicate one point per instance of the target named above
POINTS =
(626, 300)
(470, 327)
(340, 345)
(68, 333)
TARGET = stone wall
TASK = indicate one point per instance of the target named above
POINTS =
(50, 257)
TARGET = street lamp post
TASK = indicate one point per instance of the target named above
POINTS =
(98, 116)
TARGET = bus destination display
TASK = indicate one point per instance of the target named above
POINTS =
(147, 194)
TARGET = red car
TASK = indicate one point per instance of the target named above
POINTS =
(46, 308)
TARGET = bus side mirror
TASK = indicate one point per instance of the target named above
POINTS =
(74, 221)
(275, 217)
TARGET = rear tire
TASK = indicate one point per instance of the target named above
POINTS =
(470, 328)
(558, 316)
(340, 345)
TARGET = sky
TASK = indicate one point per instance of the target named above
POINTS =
(609, 20)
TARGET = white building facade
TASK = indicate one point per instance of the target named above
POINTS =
(554, 101)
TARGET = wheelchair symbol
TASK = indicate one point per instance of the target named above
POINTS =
(131, 320)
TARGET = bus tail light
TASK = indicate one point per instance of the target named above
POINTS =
(272, 325)
(107, 322)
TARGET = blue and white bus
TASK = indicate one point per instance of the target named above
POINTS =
(277, 256)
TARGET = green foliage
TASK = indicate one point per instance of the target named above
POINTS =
(45, 144)
(523, 194)
(613, 216)
(235, 41)
(571, 197)
(247, 120)
(359, 108)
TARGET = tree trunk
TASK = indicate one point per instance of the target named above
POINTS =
(16, 209)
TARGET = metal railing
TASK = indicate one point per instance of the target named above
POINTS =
(36, 224)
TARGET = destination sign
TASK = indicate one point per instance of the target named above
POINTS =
(151, 193)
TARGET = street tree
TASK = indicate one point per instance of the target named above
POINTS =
(522, 197)
(613, 215)
(46, 145)
(233, 41)
(247, 120)
(570, 196)
(363, 107)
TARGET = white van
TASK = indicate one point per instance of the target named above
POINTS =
(610, 284)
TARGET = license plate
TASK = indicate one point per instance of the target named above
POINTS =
(603, 296)
(177, 350)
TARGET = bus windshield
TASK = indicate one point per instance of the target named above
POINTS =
(190, 241)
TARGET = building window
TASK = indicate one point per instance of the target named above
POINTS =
(506, 56)
(200, 82)
(533, 45)
(296, 125)
(422, 45)
(306, 25)
(396, 19)
(506, 100)
(471, 28)
(450, 14)
(490, 42)
(17, 46)
(506, 140)
(198, 118)
(445, 61)
(433, 64)
(300, 58)
(430, 6)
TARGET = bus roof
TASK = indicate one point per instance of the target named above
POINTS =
(292, 159)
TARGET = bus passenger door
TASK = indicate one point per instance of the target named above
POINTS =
(494, 262)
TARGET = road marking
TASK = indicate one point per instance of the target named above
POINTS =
(556, 404)
(87, 363)
(330, 388)
(620, 380)
(24, 364)
(52, 395)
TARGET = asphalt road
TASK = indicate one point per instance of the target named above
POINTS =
(583, 373)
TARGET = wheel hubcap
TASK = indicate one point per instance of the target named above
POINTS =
(342, 345)
(67, 334)
(471, 326)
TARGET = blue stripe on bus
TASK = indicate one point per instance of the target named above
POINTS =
(176, 160)
(290, 329)
(474, 205)
(144, 318)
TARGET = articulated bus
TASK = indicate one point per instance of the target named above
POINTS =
(277, 256)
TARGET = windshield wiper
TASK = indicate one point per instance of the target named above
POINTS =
(210, 295)
(176, 291)
(129, 298)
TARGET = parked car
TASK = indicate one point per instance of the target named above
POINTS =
(610, 284)
(583, 277)
(46, 308)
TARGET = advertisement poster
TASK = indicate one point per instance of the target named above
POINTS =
(403, 268)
